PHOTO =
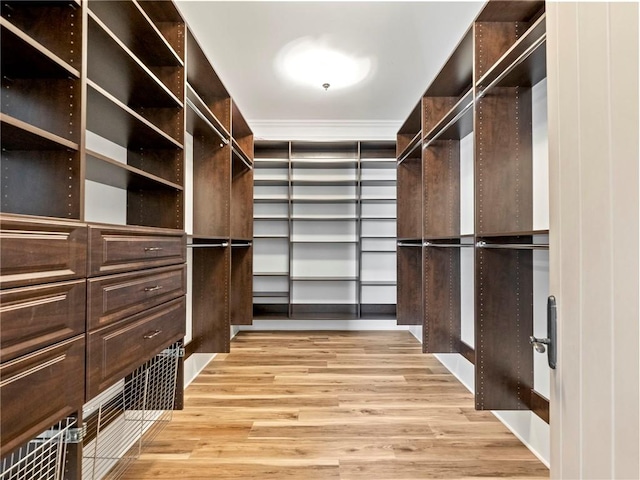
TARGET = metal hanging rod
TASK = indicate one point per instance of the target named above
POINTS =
(241, 154)
(523, 56)
(514, 246)
(448, 245)
(197, 111)
(409, 244)
(449, 123)
(208, 245)
(413, 148)
(241, 244)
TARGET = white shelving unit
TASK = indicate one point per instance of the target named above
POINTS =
(324, 230)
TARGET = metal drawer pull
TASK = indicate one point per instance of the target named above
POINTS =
(155, 333)
(152, 249)
(153, 289)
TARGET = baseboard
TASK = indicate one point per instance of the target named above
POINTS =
(302, 325)
(194, 365)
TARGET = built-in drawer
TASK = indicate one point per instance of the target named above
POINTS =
(116, 250)
(39, 389)
(115, 351)
(39, 251)
(36, 317)
(116, 297)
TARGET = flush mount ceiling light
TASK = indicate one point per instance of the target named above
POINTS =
(311, 62)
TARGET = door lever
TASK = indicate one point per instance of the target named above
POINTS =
(548, 344)
(539, 343)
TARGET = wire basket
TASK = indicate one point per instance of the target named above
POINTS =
(41, 458)
(122, 420)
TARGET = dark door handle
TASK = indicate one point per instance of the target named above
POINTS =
(548, 344)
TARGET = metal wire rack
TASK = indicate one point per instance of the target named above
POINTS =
(128, 416)
(42, 458)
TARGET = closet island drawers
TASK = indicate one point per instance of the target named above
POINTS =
(115, 250)
(34, 251)
(115, 297)
(115, 351)
(39, 389)
(36, 317)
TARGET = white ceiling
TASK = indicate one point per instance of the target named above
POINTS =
(407, 41)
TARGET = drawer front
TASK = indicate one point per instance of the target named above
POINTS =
(36, 317)
(116, 297)
(39, 389)
(115, 351)
(121, 250)
(34, 252)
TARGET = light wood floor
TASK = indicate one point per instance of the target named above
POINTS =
(331, 405)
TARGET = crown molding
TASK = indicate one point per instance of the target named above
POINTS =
(325, 130)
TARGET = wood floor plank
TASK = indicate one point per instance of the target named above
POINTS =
(331, 406)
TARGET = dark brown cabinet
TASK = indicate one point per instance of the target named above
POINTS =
(39, 316)
(116, 350)
(40, 388)
(483, 92)
(35, 251)
(122, 249)
(115, 297)
(98, 98)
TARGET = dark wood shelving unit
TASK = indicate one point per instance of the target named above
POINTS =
(332, 171)
(222, 205)
(41, 111)
(96, 98)
(484, 89)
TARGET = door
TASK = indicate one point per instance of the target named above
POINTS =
(593, 140)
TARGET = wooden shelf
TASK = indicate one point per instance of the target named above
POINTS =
(40, 24)
(324, 180)
(270, 181)
(271, 294)
(324, 279)
(110, 118)
(108, 171)
(23, 57)
(327, 218)
(270, 236)
(273, 199)
(329, 241)
(324, 199)
(130, 23)
(271, 162)
(271, 274)
(19, 135)
(383, 182)
(135, 85)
